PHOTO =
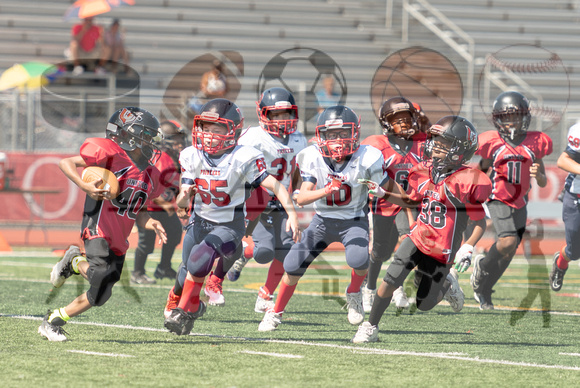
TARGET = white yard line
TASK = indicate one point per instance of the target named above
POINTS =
(280, 355)
(100, 354)
(351, 348)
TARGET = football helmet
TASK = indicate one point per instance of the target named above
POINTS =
(222, 112)
(390, 108)
(511, 114)
(453, 136)
(277, 99)
(136, 128)
(331, 119)
(423, 122)
(174, 137)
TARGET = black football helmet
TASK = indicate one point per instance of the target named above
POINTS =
(136, 128)
(174, 138)
(338, 117)
(390, 108)
(423, 122)
(511, 114)
(219, 111)
(456, 137)
(276, 99)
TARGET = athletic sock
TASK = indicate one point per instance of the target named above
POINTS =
(275, 273)
(374, 271)
(58, 317)
(378, 309)
(355, 282)
(219, 270)
(76, 261)
(562, 263)
(190, 295)
(284, 296)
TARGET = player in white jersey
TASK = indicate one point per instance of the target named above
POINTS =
(217, 175)
(334, 173)
(277, 138)
(569, 161)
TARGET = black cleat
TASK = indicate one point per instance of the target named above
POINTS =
(557, 274)
(165, 273)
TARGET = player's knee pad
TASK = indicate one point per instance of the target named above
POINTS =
(263, 255)
(102, 279)
(201, 260)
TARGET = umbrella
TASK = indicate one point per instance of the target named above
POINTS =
(28, 74)
(87, 8)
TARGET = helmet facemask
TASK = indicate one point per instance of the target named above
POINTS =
(511, 122)
(278, 127)
(337, 142)
(215, 140)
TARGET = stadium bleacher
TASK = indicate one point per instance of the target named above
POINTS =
(163, 36)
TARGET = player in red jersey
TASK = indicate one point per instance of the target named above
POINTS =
(400, 144)
(511, 156)
(163, 208)
(450, 193)
(129, 152)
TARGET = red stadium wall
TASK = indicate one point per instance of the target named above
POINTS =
(30, 200)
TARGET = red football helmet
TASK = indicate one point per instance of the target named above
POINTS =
(222, 112)
(332, 123)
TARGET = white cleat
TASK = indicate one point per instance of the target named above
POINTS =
(356, 312)
(270, 321)
(264, 302)
(400, 298)
(63, 269)
(366, 333)
(454, 295)
(368, 296)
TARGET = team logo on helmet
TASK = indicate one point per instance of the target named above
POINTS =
(126, 116)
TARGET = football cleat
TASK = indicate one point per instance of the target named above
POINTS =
(477, 274)
(264, 302)
(214, 291)
(366, 333)
(172, 303)
(141, 278)
(270, 321)
(484, 300)
(557, 274)
(181, 322)
(400, 298)
(354, 303)
(50, 331)
(63, 269)
(191, 317)
(454, 294)
(368, 297)
(236, 270)
(168, 273)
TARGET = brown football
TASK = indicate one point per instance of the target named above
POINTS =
(110, 181)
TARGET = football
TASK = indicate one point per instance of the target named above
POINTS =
(110, 181)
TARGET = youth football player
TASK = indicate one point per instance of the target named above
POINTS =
(129, 152)
(449, 193)
(400, 145)
(569, 161)
(217, 174)
(512, 157)
(276, 137)
(331, 171)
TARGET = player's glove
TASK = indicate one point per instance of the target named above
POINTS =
(333, 185)
(463, 257)
(374, 188)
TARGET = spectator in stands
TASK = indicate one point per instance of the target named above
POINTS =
(114, 48)
(86, 43)
(327, 96)
(214, 83)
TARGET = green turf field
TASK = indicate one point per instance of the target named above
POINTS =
(124, 342)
